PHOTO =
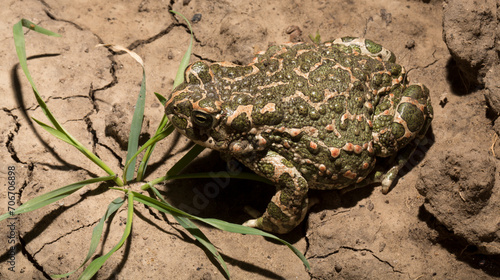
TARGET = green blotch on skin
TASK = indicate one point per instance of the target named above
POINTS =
(303, 186)
(377, 80)
(285, 197)
(397, 130)
(179, 122)
(185, 108)
(202, 70)
(347, 39)
(386, 80)
(286, 181)
(217, 136)
(395, 69)
(342, 79)
(372, 46)
(207, 103)
(314, 115)
(287, 163)
(416, 92)
(181, 86)
(192, 79)
(307, 60)
(242, 99)
(234, 72)
(272, 65)
(382, 121)
(267, 169)
(317, 96)
(412, 115)
(269, 118)
(276, 213)
(337, 104)
(241, 123)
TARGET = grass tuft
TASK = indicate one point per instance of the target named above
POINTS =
(155, 201)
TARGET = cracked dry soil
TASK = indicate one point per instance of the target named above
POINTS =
(439, 222)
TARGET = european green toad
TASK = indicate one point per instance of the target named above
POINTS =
(305, 116)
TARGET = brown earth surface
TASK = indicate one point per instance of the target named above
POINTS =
(440, 221)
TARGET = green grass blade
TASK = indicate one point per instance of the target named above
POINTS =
(160, 206)
(137, 118)
(161, 98)
(179, 78)
(149, 143)
(141, 171)
(185, 160)
(96, 264)
(19, 42)
(162, 128)
(53, 196)
(136, 127)
(230, 227)
(242, 175)
(198, 234)
(96, 234)
(32, 26)
(54, 132)
(157, 204)
(21, 54)
(182, 163)
(68, 139)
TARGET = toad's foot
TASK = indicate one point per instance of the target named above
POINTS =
(252, 212)
(289, 205)
(401, 160)
(253, 223)
(255, 214)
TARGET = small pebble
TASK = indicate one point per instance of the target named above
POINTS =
(322, 216)
(381, 247)
(196, 18)
(443, 99)
(369, 205)
(410, 44)
(387, 17)
(294, 32)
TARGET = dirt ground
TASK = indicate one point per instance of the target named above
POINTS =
(441, 220)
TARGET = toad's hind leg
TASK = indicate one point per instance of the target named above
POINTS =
(401, 159)
(386, 176)
(288, 206)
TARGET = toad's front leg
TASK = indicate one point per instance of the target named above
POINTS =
(288, 206)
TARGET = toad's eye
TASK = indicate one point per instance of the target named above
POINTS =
(201, 119)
